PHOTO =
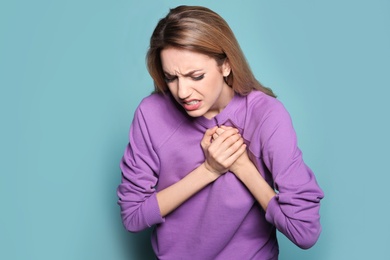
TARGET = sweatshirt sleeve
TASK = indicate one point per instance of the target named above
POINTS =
(295, 209)
(139, 166)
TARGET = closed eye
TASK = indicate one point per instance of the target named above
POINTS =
(169, 79)
(198, 78)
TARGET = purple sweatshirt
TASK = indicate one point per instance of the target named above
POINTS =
(223, 220)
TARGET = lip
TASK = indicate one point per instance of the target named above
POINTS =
(191, 107)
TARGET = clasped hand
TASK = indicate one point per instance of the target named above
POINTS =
(224, 149)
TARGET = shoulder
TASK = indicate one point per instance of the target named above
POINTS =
(158, 106)
(265, 115)
(155, 101)
(263, 107)
(268, 124)
(159, 113)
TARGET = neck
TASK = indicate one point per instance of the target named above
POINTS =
(226, 96)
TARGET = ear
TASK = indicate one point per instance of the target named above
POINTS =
(226, 69)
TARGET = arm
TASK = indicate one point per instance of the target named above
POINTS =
(173, 196)
(219, 157)
(136, 192)
(141, 206)
(294, 210)
(248, 174)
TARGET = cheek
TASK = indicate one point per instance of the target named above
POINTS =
(214, 86)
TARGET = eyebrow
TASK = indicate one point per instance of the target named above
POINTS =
(190, 73)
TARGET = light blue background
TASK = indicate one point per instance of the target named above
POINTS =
(72, 73)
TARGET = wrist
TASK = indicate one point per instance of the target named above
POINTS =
(241, 169)
(213, 175)
(237, 168)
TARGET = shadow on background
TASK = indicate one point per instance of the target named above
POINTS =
(138, 245)
(133, 246)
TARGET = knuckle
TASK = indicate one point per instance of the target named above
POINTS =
(225, 164)
(211, 153)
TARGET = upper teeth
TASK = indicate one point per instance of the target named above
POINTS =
(192, 102)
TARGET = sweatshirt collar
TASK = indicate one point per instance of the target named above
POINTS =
(231, 115)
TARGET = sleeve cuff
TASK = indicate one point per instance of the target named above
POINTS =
(272, 209)
(153, 215)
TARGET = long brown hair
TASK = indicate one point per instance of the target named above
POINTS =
(199, 29)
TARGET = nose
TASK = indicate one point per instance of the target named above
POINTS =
(183, 88)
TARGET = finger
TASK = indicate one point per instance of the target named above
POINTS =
(226, 134)
(206, 140)
(209, 132)
(217, 133)
(225, 150)
(220, 131)
(220, 146)
(240, 151)
(224, 127)
(234, 142)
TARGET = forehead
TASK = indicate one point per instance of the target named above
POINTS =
(181, 60)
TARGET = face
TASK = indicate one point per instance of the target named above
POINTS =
(196, 81)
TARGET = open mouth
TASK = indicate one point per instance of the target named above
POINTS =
(193, 102)
(191, 105)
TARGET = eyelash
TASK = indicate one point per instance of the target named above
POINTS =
(198, 78)
(169, 80)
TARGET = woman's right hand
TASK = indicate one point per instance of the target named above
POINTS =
(223, 151)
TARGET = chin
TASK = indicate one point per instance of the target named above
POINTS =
(194, 114)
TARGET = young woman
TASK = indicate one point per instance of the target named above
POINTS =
(212, 162)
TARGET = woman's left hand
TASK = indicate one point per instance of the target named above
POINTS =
(222, 152)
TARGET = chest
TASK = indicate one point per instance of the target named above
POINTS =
(180, 154)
